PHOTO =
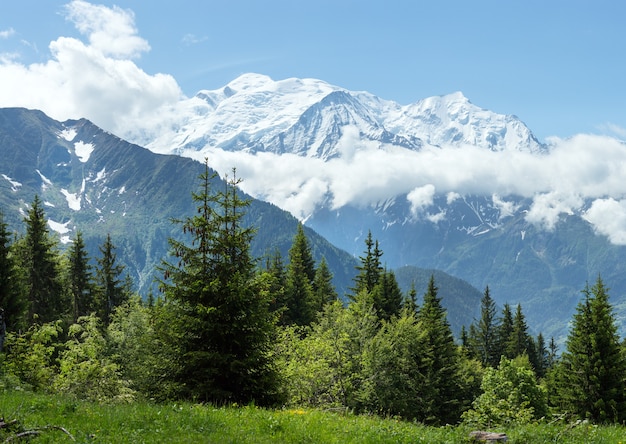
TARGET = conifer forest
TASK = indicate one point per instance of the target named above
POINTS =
(226, 328)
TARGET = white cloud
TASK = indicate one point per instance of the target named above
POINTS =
(608, 216)
(95, 80)
(111, 31)
(421, 198)
(6, 33)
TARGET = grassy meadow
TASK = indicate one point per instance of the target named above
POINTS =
(57, 419)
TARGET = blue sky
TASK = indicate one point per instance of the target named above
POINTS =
(558, 65)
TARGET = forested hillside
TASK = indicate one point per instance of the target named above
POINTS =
(221, 329)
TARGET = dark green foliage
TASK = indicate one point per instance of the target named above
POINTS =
(80, 279)
(222, 326)
(323, 288)
(40, 268)
(110, 288)
(592, 368)
(442, 403)
(299, 293)
(12, 303)
(277, 276)
(370, 268)
(505, 332)
(387, 296)
(410, 303)
(483, 339)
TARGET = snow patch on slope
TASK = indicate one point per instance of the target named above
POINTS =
(15, 185)
(83, 150)
(62, 229)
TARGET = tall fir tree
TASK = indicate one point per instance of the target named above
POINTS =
(323, 287)
(370, 269)
(593, 366)
(299, 293)
(110, 288)
(221, 323)
(484, 336)
(519, 342)
(387, 296)
(12, 303)
(40, 266)
(442, 403)
(275, 268)
(505, 331)
(80, 279)
(410, 302)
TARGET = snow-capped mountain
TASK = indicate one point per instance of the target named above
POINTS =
(440, 182)
(307, 117)
(94, 182)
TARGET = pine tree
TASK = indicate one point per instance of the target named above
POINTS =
(519, 341)
(593, 365)
(221, 323)
(370, 269)
(12, 305)
(410, 303)
(80, 279)
(278, 281)
(441, 404)
(387, 296)
(543, 357)
(301, 304)
(110, 288)
(484, 337)
(323, 287)
(505, 331)
(40, 264)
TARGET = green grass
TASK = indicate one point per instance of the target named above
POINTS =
(143, 422)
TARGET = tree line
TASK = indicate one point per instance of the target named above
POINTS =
(229, 328)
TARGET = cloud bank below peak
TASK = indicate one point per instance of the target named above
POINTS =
(580, 175)
(98, 78)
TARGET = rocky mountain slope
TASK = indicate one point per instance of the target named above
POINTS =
(95, 182)
(442, 183)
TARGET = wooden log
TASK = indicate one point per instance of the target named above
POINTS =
(482, 436)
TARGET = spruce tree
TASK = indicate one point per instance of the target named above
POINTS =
(370, 269)
(593, 365)
(12, 303)
(301, 304)
(505, 331)
(519, 341)
(278, 280)
(387, 296)
(40, 266)
(80, 279)
(410, 303)
(441, 403)
(221, 324)
(484, 336)
(323, 287)
(110, 287)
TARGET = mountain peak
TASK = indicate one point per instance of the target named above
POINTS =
(255, 113)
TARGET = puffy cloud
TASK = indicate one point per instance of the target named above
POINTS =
(608, 216)
(96, 80)
(421, 198)
(111, 31)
